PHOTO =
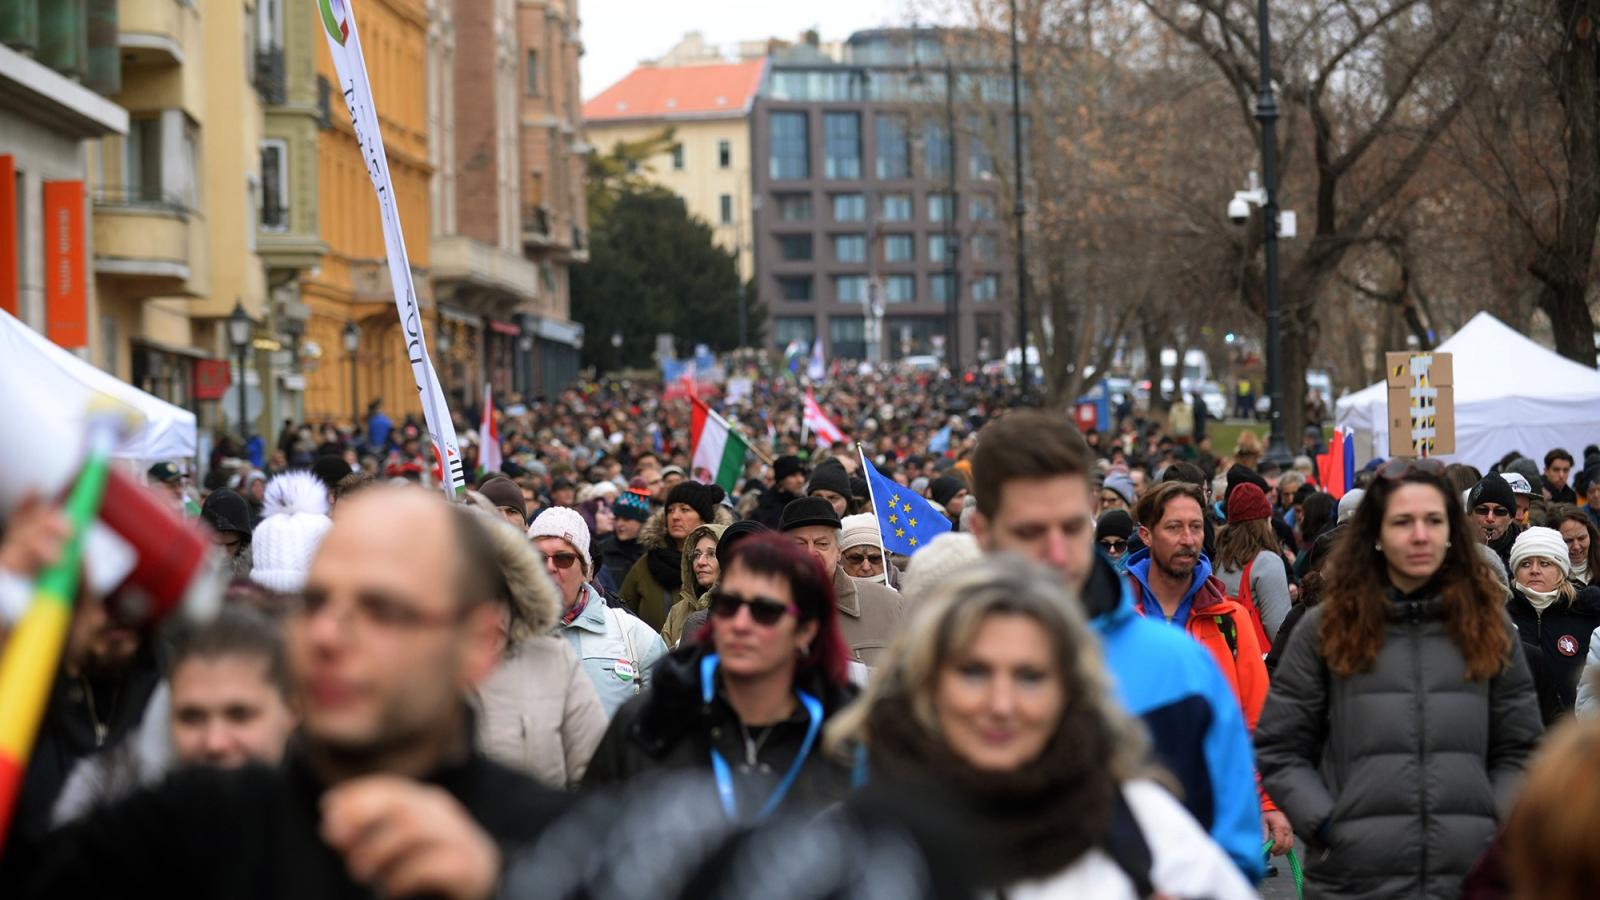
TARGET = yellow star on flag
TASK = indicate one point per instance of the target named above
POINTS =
(899, 532)
(913, 542)
(894, 500)
(913, 523)
(893, 519)
(906, 507)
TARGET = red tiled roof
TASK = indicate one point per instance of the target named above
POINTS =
(681, 92)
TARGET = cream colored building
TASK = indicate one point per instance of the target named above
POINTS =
(708, 108)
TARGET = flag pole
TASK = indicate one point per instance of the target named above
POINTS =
(871, 498)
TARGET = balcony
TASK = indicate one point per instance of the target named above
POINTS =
(269, 75)
(142, 239)
(473, 266)
(153, 32)
(536, 228)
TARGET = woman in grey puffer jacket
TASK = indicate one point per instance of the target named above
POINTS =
(1403, 711)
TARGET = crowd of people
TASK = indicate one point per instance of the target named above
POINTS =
(1133, 666)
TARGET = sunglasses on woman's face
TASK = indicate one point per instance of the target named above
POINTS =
(563, 560)
(856, 559)
(763, 610)
(1115, 546)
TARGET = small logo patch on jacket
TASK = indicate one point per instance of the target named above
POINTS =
(1568, 645)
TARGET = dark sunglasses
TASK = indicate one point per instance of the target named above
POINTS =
(763, 610)
(856, 559)
(1396, 469)
(563, 560)
(1491, 511)
(1115, 545)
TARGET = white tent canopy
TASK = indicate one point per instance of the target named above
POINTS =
(45, 392)
(1510, 394)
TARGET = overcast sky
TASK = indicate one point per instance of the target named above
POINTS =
(619, 33)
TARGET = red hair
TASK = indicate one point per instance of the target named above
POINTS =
(779, 557)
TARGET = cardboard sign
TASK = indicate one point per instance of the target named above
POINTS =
(1422, 404)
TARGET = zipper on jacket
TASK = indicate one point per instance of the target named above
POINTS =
(1422, 737)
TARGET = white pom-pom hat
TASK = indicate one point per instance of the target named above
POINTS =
(294, 520)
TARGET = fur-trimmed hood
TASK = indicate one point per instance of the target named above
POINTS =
(535, 602)
(689, 589)
(654, 533)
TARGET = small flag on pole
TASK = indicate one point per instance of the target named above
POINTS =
(817, 369)
(818, 422)
(719, 451)
(489, 459)
(906, 521)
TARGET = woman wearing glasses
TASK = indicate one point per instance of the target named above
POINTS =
(1402, 711)
(747, 701)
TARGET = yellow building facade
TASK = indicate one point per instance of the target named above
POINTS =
(351, 284)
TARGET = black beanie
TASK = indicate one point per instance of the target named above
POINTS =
(1238, 475)
(226, 511)
(1113, 523)
(1492, 489)
(330, 468)
(735, 533)
(702, 498)
(829, 475)
(944, 488)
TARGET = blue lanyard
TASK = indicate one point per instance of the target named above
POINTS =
(719, 766)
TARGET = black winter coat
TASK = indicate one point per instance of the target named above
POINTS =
(769, 509)
(1561, 634)
(1397, 776)
(669, 727)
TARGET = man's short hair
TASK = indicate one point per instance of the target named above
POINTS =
(352, 483)
(1153, 505)
(1556, 454)
(1023, 445)
(236, 631)
(1185, 472)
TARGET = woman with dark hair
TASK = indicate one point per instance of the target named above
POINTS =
(995, 705)
(746, 700)
(1582, 539)
(1403, 711)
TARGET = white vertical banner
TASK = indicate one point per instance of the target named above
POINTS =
(344, 42)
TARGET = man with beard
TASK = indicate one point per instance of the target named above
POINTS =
(1492, 504)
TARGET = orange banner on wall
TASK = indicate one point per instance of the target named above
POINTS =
(9, 288)
(66, 295)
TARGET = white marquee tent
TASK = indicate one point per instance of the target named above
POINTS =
(1510, 394)
(45, 391)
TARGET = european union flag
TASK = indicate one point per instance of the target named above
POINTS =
(906, 521)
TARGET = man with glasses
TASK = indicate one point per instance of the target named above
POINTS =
(617, 648)
(1492, 505)
(382, 792)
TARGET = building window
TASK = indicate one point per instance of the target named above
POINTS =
(725, 209)
(900, 289)
(899, 248)
(794, 247)
(941, 288)
(980, 163)
(847, 336)
(849, 288)
(897, 208)
(850, 248)
(677, 157)
(849, 207)
(894, 150)
(789, 158)
(274, 185)
(986, 287)
(789, 329)
(940, 207)
(141, 161)
(936, 150)
(530, 73)
(936, 247)
(794, 288)
(724, 154)
(841, 138)
(981, 208)
(984, 247)
(794, 207)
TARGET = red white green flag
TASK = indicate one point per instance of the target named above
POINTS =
(719, 451)
(488, 437)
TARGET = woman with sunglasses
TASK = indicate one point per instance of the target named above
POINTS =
(1402, 711)
(995, 706)
(1112, 531)
(747, 700)
(1553, 617)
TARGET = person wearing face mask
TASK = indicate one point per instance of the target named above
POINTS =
(1492, 506)
(996, 702)
(1553, 617)
(1402, 711)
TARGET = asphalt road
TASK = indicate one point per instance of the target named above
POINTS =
(1281, 887)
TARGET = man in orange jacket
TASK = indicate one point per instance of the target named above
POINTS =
(1173, 582)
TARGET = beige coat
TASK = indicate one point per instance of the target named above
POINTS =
(870, 616)
(538, 712)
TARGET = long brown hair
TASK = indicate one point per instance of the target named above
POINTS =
(1239, 542)
(1356, 595)
(1566, 512)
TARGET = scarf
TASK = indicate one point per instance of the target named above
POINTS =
(1040, 818)
(1539, 600)
(666, 566)
(1580, 571)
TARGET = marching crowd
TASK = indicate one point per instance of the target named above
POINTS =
(1132, 666)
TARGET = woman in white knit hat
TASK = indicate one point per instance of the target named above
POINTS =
(294, 518)
(1553, 617)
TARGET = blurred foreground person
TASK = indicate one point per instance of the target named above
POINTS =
(997, 699)
(1548, 851)
(381, 792)
(1402, 711)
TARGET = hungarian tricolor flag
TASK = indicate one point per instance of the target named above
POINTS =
(718, 450)
(488, 438)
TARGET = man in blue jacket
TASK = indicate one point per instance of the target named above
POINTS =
(1031, 474)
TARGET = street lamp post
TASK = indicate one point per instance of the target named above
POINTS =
(1267, 115)
(352, 343)
(1019, 208)
(239, 327)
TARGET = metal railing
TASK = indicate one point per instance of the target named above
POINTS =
(536, 219)
(270, 75)
(142, 196)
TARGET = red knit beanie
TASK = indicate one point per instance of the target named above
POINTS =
(1248, 503)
